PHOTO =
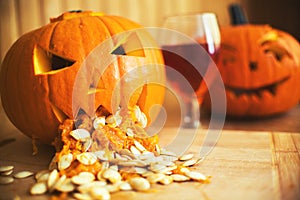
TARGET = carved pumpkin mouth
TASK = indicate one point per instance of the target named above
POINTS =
(271, 88)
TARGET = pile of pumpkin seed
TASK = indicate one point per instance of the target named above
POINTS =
(147, 168)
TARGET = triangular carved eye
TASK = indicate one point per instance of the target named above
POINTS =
(130, 45)
(277, 52)
(119, 51)
(46, 62)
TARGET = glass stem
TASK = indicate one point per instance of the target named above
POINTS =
(191, 114)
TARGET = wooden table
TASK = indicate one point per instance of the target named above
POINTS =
(257, 159)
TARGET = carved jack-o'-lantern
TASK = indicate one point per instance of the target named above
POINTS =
(39, 71)
(260, 67)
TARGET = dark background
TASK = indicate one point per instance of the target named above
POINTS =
(280, 14)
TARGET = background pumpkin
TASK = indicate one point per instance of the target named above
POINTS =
(39, 70)
(260, 67)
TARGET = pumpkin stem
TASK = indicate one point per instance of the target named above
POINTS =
(74, 14)
(237, 15)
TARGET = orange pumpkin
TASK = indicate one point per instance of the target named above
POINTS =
(39, 71)
(260, 67)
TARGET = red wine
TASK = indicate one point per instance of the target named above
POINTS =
(188, 60)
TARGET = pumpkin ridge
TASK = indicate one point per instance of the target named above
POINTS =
(117, 69)
(121, 61)
(5, 79)
(19, 91)
(81, 36)
(50, 46)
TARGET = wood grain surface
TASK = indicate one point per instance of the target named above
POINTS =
(245, 164)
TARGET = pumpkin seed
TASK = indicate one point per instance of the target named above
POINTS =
(114, 167)
(6, 180)
(65, 161)
(23, 174)
(184, 170)
(58, 183)
(99, 121)
(112, 175)
(87, 158)
(41, 173)
(169, 169)
(179, 177)
(166, 163)
(186, 157)
(127, 158)
(140, 170)
(82, 196)
(6, 168)
(112, 188)
(139, 184)
(139, 146)
(154, 178)
(105, 165)
(125, 186)
(43, 178)
(126, 152)
(111, 119)
(83, 178)
(131, 163)
(167, 152)
(66, 186)
(136, 112)
(87, 144)
(100, 193)
(166, 180)
(140, 163)
(168, 158)
(53, 177)
(114, 120)
(157, 168)
(189, 163)
(154, 159)
(7, 173)
(38, 188)
(135, 151)
(100, 155)
(148, 173)
(80, 134)
(129, 132)
(120, 158)
(143, 120)
(53, 164)
(157, 148)
(197, 176)
(146, 155)
(87, 187)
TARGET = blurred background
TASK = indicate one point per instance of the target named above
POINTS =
(21, 16)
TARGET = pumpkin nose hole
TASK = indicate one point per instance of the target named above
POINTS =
(253, 66)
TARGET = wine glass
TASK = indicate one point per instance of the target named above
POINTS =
(189, 48)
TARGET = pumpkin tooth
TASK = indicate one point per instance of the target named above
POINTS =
(272, 89)
(59, 114)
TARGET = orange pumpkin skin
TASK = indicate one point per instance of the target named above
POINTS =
(260, 67)
(37, 97)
